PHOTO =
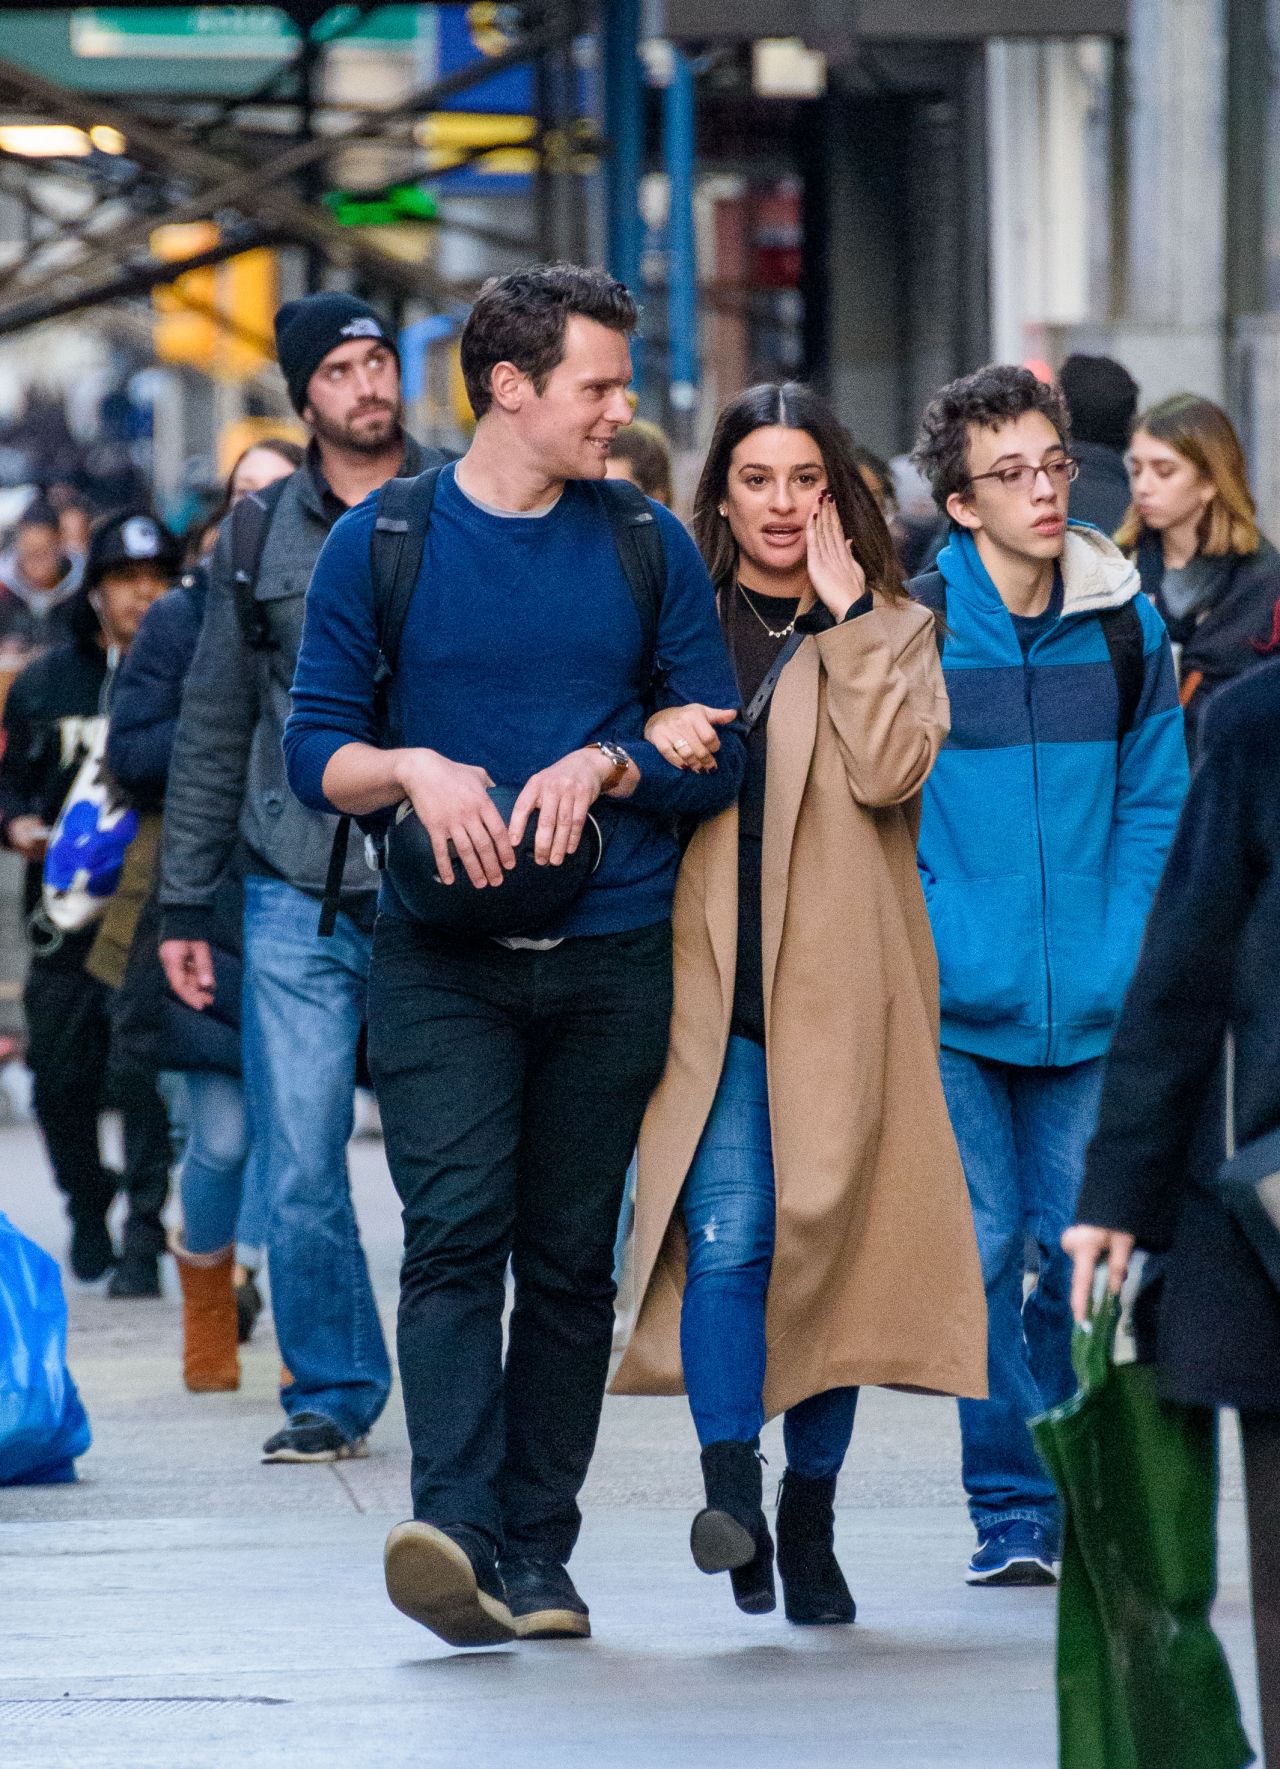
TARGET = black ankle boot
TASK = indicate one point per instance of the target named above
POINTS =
(813, 1587)
(731, 1534)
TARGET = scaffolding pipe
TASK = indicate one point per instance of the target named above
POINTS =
(679, 127)
(624, 129)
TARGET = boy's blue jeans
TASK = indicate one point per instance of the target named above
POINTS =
(1022, 1134)
(728, 1208)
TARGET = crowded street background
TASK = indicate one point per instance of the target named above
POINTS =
(639, 707)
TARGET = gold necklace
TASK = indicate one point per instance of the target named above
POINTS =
(786, 631)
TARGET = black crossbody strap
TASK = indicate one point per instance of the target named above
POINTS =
(764, 693)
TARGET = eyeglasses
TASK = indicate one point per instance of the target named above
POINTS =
(1061, 472)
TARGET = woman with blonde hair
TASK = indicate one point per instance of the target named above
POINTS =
(1193, 531)
(802, 1222)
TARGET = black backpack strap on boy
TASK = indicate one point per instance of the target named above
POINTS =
(250, 522)
(396, 549)
(1121, 628)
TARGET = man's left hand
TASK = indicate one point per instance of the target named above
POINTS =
(562, 795)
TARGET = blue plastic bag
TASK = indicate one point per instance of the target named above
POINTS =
(43, 1426)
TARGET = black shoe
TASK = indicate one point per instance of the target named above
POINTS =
(248, 1308)
(310, 1437)
(814, 1591)
(92, 1249)
(730, 1534)
(449, 1582)
(543, 1602)
(136, 1274)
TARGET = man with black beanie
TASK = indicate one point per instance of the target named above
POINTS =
(1102, 397)
(227, 795)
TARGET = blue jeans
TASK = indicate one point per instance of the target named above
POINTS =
(303, 1005)
(1022, 1134)
(728, 1208)
(215, 1156)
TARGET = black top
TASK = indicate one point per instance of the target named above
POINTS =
(1029, 627)
(753, 651)
(1208, 963)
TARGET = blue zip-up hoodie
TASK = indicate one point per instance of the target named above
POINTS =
(1043, 837)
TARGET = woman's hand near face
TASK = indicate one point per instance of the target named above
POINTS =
(686, 736)
(837, 578)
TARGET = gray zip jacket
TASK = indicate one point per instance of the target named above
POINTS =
(227, 787)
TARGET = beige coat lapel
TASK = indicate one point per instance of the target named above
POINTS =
(793, 730)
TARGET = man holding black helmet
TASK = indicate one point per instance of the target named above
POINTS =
(227, 802)
(513, 1062)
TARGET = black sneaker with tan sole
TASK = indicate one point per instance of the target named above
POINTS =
(310, 1437)
(453, 1589)
(543, 1602)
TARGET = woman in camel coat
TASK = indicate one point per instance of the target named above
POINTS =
(802, 1221)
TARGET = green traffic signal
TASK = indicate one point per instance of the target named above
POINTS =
(384, 208)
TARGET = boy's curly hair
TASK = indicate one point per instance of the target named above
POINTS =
(988, 398)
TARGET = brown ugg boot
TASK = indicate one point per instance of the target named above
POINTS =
(210, 1358)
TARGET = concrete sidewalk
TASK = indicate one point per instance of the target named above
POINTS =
(184, 1607)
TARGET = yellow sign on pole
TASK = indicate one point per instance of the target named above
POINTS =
(217, 319)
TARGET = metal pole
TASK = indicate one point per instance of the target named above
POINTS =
(311, 178)
(624, 130)
(679, 128)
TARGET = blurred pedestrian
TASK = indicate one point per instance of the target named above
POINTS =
(1102, 399)
(304, 996)
(1193, 530)
(1046, 823)
(642, 454)
(783, 1182)
(53, 712)
(1207, 974)
(223, 1225)
(38, 584)
(512, 1072)
(877, 476)
(261, 464)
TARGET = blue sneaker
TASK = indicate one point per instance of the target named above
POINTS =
(1013, 1553)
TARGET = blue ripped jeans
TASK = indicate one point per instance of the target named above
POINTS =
(728, 1209)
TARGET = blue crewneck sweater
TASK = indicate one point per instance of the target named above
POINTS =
(523, 643)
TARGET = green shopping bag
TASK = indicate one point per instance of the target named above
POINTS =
(1142, 1679)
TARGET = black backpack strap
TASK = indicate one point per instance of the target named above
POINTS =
(396, 546)
(930, 590)
(643, 559)
(1122, 629)
(395, 559)
(250, 521)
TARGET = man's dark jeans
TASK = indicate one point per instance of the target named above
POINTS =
(512, 1084)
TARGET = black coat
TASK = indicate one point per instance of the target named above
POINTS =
(150, 1026)
(1209, 962)
(1101, 493)
(1234, 634)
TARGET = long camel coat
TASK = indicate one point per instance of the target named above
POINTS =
(875, 1276)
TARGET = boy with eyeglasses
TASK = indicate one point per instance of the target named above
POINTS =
(1045, 826)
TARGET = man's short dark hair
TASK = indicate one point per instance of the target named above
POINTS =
(992, 396)
(1103, 399)
(521, 318)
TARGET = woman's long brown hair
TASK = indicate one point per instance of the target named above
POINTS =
(1203, 434)
(794, 407)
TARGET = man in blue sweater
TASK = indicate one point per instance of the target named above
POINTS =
(513, 1074)
(1045, 826)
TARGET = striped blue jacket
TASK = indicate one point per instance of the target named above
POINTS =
(1044, 829)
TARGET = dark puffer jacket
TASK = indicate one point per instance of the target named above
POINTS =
(1234, 634)
(150, 1025)
(1208, 965)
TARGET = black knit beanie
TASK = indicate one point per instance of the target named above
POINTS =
(309, 328)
